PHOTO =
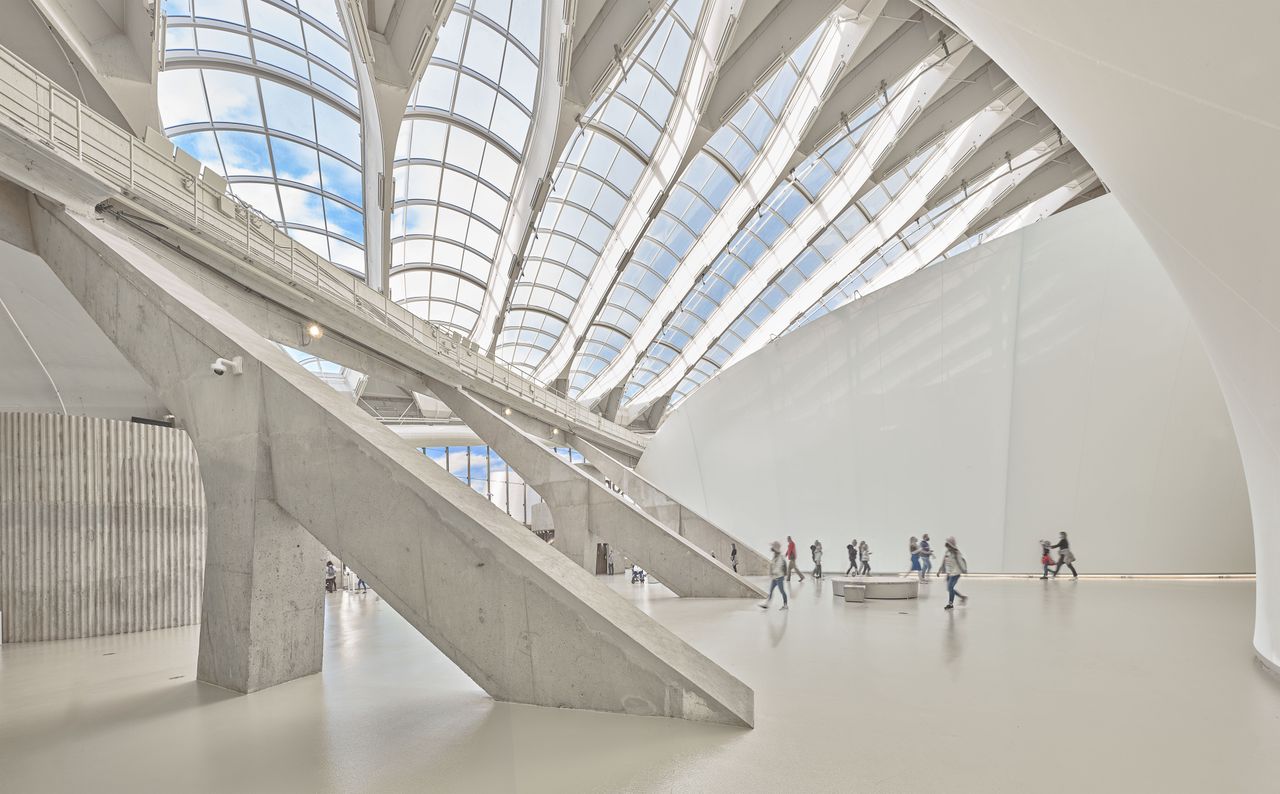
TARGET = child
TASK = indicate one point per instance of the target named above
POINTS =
(1046, 559)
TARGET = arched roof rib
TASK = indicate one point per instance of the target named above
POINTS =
(788, 221)
(264, 92)
(723, 182)
(617, 165)
(926, 239)
(464, 135)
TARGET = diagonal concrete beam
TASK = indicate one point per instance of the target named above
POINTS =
(583, 509)
(117, 43)
(524, 623)
(699, 531)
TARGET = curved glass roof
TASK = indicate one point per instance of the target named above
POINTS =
(465, 134)
(698, 195)
(733, 245)
(264, 92)
(591, 184)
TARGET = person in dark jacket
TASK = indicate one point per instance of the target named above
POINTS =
(853, 556)
(1065, 556)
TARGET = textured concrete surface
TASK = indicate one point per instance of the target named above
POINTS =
(517, 617)
(697, 530)
(585, 511)
(102, 527)
(1049, 687)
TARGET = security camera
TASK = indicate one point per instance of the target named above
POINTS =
(222, 366)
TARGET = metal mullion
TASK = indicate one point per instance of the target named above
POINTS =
(236, 126)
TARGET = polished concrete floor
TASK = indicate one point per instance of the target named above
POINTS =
(1034, 686)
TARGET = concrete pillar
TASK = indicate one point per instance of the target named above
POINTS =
(523, 622)
(262, 621)
(584, 509)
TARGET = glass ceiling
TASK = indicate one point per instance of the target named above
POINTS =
(465, 133)
(591, 184)
(698, 195)
(264, 92)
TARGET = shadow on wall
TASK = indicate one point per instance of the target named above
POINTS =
(1048, 380)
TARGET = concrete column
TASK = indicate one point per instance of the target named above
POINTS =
(583, 507)
(263, 615)
(523, 622)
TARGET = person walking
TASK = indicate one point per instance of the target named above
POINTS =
(733, 556)
(791, 560)
(1046, 558)
(817, 559)
(853, 557)
(778, 568)
(913, 547)
(1065, 556)
(361, 585)
(953, 565)
(330, 577)
(608, 556)
(864, 554)
(926, 557)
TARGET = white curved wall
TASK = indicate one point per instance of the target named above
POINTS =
(1050, 379)
(1175, 106)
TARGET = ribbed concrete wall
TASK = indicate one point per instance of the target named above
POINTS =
(102, 527)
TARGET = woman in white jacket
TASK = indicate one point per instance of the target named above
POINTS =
(777, 570)
(953, 565)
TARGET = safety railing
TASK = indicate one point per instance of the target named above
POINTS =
(174, 187)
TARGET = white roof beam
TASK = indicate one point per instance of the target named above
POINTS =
(118, 45)
(533, 180)
(829, 56)
(1066, 167)
(1017, 135)
(898, 214)
(783, 29)
(933, 245)
(836, 197)
(391, 43)
(968, 96)
(896, 42)
(659, 174)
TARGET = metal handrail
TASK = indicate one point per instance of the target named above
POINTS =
(38, 110)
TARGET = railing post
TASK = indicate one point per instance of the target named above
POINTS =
(79, 132)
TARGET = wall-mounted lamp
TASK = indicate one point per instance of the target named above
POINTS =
(506, 411)
(311, 331)
(555, 431)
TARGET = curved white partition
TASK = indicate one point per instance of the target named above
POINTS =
(1181, 121)
(1048, 380)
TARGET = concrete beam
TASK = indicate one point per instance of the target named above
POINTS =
(519, 619)
(117, 45)
(689, 525)
(584, 509)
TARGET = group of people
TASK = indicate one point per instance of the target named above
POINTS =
(783, 565)
(1065, 556)
(331, 579)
